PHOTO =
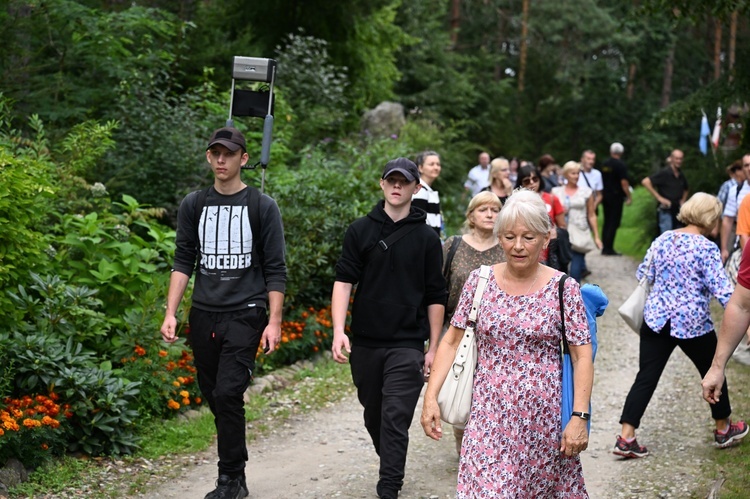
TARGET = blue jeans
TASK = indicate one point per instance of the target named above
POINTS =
(665, 220)
(577, 265)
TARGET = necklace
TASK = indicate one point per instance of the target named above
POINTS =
(505, 279)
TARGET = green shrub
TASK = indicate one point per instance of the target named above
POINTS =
(25, 194)
(101, 417)
(125, 256)
(52, 308)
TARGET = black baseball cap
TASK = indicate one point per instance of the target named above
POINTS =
(229, 137)
(404, 166)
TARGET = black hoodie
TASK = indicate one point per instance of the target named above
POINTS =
(394, 287)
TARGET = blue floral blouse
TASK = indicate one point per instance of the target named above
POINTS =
(685, 271)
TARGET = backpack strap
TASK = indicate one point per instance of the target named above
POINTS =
(561, 291)
(253, 213)
(451, 253)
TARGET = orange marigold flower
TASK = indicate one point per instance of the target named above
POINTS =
(53, 396)
(48, 421)
(2, 432)
(198, 400)
(186, 401)
(31, 423)
(173, 405)
(184, 394)
(163, 353)
(175, 383)
(16, 413)
(45, 446)
(139, 350)
(30, 412)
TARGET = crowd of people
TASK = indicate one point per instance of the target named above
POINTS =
(413, 293)
(531, 224)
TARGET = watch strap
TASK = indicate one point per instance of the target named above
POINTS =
(583, 415)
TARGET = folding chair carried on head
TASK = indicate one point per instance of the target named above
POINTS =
(254, 103)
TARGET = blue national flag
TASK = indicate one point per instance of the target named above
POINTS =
(705, 132)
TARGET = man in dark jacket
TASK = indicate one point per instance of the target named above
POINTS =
(395, 259)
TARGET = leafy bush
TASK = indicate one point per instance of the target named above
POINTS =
(101, 417)
(52, 308)
(125, 256)
(313, 84)
(25, 194)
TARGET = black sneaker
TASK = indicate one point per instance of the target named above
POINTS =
(733, 435)
(228, 488)
(629, 449)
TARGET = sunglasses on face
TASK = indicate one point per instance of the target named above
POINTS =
(529, 180)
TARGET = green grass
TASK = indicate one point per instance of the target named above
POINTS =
(638, 227)
(324, 384)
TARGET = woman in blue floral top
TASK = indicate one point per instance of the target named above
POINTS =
(685, 269)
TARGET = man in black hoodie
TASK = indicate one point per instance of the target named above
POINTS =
(395, 259)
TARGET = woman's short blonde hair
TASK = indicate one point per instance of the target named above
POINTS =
(527, 207)
(703, 210)
(571, 166)
(484, 197)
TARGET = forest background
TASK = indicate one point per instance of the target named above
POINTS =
(105, 108)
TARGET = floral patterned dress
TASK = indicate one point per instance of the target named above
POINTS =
(511, 446)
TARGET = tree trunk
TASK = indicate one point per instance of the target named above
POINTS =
(631, 80)
(524, 47)
(455, 21)
(717, 49)
(732, 42)
(666, 88)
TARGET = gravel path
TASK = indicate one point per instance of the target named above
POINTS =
(328, 453)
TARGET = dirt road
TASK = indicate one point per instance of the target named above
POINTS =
(328, 453)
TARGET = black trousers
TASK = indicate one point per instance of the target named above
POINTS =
(612, 208)
(224, 346)
(388, 381)
(655, 350)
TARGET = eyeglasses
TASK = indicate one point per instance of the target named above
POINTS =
(529, 180)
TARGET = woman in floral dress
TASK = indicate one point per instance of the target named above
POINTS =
(513, 445)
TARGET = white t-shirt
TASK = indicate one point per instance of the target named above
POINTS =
(478, 179)
(734, 200)
(594, 178)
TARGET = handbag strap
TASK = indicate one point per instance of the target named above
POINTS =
(468, 338)
(560, 292)
(484, 275)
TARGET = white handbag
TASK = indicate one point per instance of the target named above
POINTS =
(454, 398)
(632, 310)
(580, 239)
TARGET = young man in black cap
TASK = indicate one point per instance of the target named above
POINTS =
(237, 297)
(396, 261)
